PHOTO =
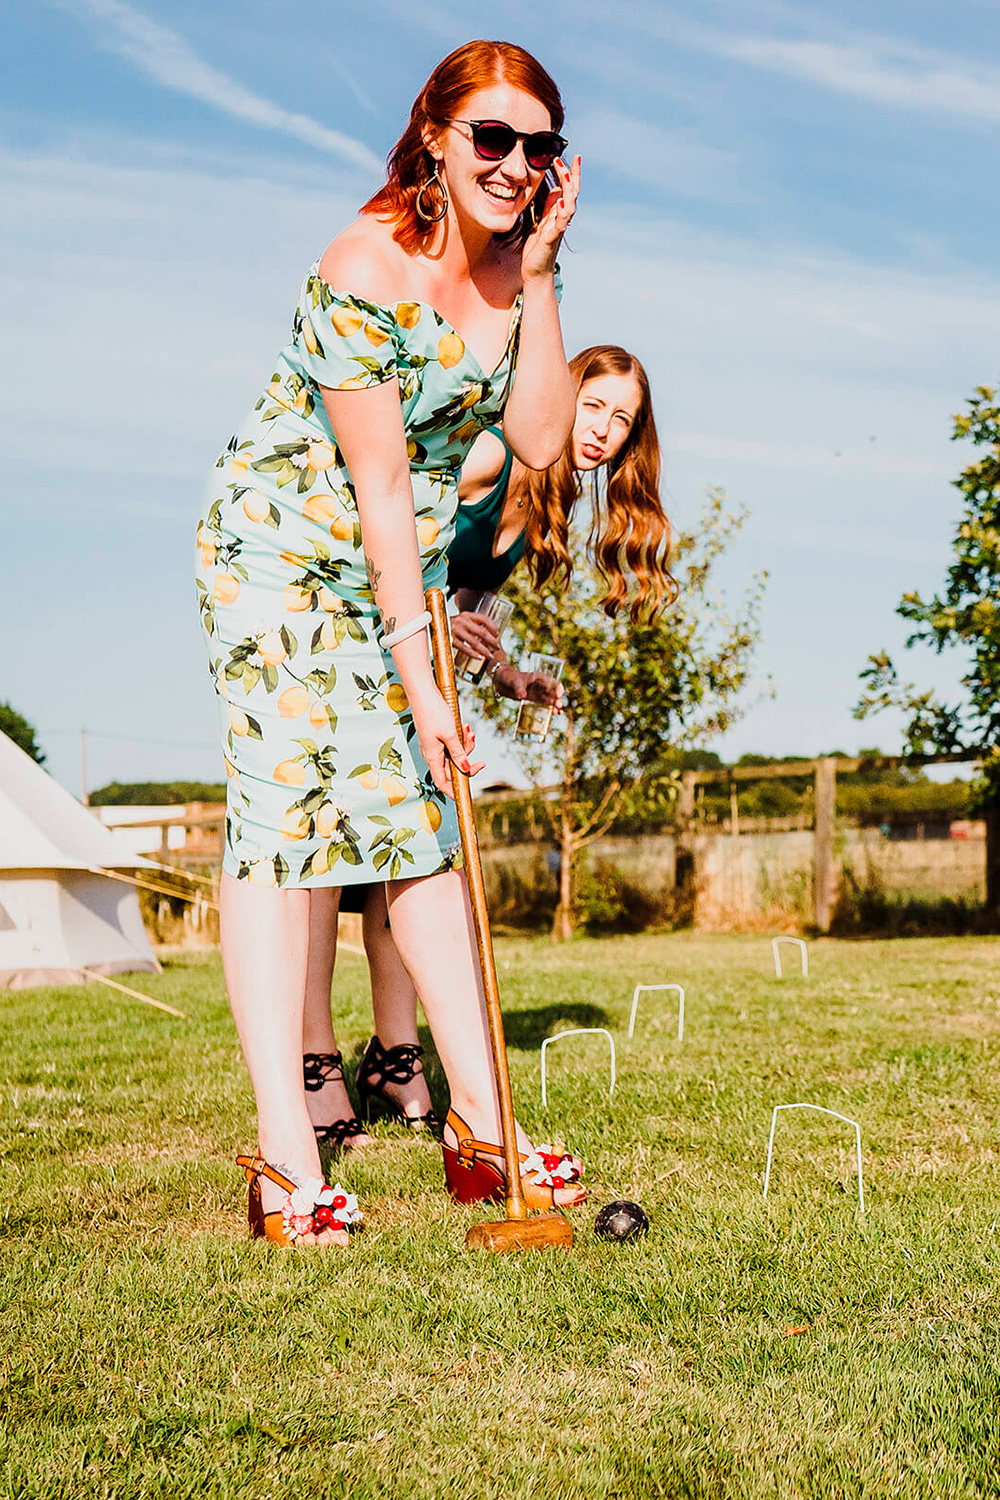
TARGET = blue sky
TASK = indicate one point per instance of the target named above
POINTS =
(787, 213)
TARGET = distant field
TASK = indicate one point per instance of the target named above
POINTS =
(746, 1349)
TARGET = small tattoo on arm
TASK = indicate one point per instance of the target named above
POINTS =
(389, 625)
(374, 574)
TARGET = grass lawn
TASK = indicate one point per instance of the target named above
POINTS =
(787, 1348)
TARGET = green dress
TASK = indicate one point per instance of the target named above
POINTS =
(326, 783)
(471, 563)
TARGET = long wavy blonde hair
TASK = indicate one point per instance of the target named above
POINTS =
(630, 534)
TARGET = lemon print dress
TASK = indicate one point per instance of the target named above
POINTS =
(326, 783)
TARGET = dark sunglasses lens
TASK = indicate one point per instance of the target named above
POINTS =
(493, 141)
(542, 148)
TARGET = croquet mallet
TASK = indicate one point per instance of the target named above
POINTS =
(517, 1231)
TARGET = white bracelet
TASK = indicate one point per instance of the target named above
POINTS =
(405, 631)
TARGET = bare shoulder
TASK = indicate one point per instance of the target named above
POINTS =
(481, 470)
(366, 260)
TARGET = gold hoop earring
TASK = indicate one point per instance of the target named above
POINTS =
(434, 181)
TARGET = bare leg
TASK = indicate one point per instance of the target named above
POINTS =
(317, 1025)
(394, 1000)
(265, 935)
(331, 1102)
(432, 924)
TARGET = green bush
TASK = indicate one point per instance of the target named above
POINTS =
(866, 909)
(608, 901)
(157, 793)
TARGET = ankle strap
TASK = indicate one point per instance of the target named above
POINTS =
(467, 1143)
(256, 1166)
(391, 1064)
(319, 1068)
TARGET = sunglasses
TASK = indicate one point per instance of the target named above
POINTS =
(492, 140)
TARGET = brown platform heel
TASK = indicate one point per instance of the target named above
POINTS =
(307, 1210)
(473, 1171)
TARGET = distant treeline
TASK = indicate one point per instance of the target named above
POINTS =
(865, 794)
(157, 793)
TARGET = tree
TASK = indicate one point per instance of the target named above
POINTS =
(16, 727)
(635, 691)
(156, 793)
(964, 615)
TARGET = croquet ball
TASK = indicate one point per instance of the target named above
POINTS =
(621, 1220)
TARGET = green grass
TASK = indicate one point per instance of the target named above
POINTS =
(148, 1349)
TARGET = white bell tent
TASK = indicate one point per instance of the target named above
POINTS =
(59, 914)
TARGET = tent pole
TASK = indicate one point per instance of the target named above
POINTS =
(136, 994)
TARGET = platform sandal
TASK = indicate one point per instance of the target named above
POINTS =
(318, 1069)
(307, 1210)
(381, 1065)
(474, 1173)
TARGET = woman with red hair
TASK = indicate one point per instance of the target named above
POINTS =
(427, 320)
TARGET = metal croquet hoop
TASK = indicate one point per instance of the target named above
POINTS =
(777, 956)
(818, 1109)
(579, 1031)
(680, 1005)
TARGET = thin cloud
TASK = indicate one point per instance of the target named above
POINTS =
(168, 59)
(906, 77)
(863, 64)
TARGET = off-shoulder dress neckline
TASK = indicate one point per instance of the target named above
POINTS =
(515, 317)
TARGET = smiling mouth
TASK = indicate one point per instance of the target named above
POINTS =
(499, 192)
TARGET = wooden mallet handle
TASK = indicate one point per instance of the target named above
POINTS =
(444, 672)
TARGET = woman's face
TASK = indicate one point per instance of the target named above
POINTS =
(490, 193)
(606, 410)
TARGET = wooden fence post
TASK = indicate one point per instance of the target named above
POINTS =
(992, 817)
(824, 867)
(684, 848)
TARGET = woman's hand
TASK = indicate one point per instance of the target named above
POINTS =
(440, 743)
(474, 634)
(538, 258)
(510, 683)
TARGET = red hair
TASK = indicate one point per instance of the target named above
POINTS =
(630, 533)
(474, 66)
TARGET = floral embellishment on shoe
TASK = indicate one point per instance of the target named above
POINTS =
(315, 1207)
(552, 1166)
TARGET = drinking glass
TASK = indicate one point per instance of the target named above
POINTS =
(533, 719)
(498, 611)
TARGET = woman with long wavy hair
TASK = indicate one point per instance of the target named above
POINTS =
(508, 511)
(431, 317)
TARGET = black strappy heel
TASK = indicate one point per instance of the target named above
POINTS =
(381, 1065)
(319, 1068)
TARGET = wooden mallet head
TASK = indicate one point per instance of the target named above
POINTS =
(538, 1232)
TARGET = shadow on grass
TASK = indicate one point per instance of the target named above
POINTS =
(525, 1031)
